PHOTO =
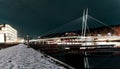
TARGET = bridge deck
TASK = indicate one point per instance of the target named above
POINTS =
(73, 48)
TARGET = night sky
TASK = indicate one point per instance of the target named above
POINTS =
(35, 17)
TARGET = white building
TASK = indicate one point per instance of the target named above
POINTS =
(7, 34)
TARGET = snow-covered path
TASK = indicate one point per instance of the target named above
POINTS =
(21, 57)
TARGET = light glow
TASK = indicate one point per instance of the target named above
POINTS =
(2, 38)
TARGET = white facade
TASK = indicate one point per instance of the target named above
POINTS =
(2, 38)
(10, 34)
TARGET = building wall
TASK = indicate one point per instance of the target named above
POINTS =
(10, 33)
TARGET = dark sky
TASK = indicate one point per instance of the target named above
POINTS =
(35, 17)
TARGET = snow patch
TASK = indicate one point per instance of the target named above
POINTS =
(21, 57)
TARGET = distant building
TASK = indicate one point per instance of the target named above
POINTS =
(117, 30)
(7, 34)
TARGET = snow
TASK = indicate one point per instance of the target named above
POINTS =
(21, 57)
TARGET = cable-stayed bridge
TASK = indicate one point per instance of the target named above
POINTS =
(76, 25)
(87, 42)
(83, 25)
(86, 27)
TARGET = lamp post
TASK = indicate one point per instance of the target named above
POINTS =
(27, 39)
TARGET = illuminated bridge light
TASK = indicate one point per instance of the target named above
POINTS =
(82, 47)
(67, 48)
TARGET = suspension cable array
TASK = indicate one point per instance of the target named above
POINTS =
(84, 23)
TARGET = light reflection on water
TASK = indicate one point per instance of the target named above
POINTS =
(102, 60)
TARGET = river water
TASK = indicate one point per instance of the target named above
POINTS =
(102, 60)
